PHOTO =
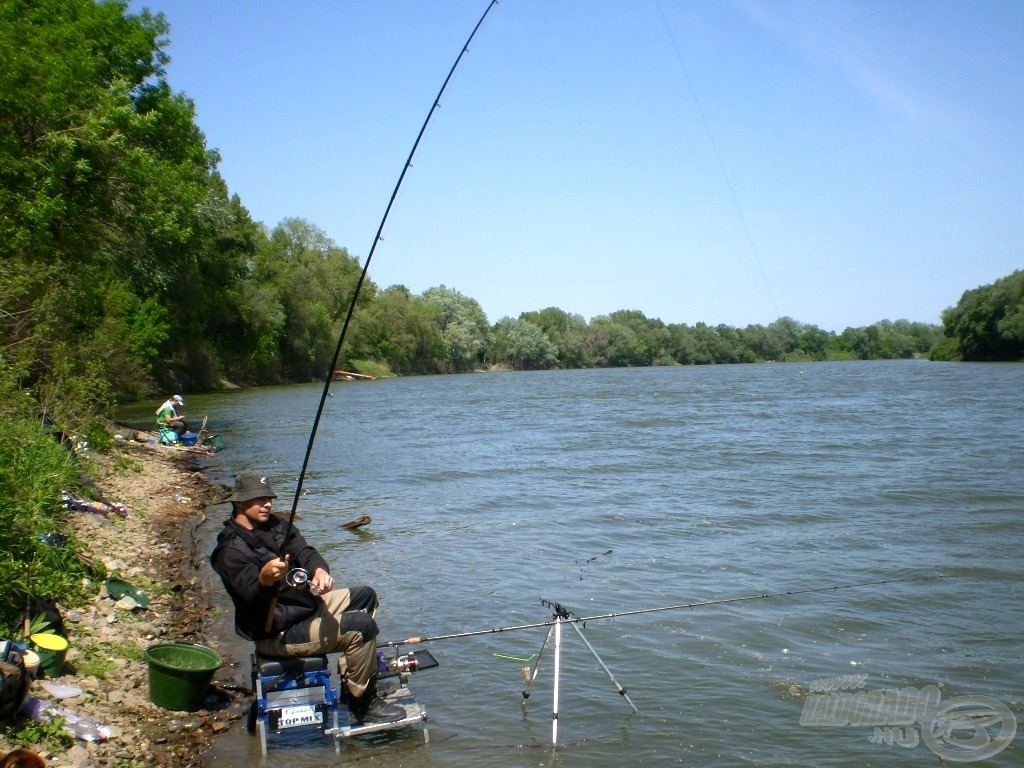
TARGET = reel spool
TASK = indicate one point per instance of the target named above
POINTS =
(298, 578)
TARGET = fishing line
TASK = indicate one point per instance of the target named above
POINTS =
(359, 285)
(721, 163)
(565, 616)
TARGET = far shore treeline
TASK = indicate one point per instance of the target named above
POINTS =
(129, 269)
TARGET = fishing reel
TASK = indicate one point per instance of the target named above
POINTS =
(402, 664)
(298, 578)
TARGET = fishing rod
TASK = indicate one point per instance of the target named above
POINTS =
(359, 285)
(564, 616)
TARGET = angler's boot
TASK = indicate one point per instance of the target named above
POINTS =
(370, 707)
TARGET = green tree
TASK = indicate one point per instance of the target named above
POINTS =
(567, 332)
(988, 322)
(685, 347)
(401, 330)
(313, 281)
(103, 166)
(210, 305)
(614, 345)
(728, 346)
(814, 343)
(464, 328)
(786, 339)
(651, 335)
(763, 343)
(922, 336)
(522, 345)
(102, 172)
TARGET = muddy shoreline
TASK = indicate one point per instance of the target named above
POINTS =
(160, 547)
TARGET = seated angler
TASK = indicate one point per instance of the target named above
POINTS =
(167, 418)
(252, 559)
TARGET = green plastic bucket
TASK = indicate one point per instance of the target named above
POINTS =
(179, 674)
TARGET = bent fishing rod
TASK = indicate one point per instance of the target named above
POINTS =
(359, 285)
(564, 616)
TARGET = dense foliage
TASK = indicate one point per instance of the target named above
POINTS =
(987, 324)
(34, 469)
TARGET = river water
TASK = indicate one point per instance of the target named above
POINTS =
(611, 491)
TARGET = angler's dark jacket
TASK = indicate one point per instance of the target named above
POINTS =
(238, 558)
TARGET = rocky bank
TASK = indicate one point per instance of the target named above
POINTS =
(153, 548)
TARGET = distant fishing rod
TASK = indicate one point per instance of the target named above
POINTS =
(359, 285)
(564, 616)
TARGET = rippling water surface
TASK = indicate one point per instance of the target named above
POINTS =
(618, 490)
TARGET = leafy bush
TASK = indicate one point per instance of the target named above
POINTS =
(49, 735)
(947, 350)
(34, 468)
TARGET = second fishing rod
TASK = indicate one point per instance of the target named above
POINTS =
(562, 615)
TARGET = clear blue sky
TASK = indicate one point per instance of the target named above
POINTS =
(718, 161)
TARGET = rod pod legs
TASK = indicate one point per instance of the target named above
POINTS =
(555, 630)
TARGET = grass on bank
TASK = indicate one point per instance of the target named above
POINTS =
(34, 469)
(100, 659)
(372, 368)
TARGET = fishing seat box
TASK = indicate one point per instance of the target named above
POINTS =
(295, 691)
(291, 691)
(291, 665)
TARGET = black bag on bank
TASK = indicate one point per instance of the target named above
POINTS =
(14, 680)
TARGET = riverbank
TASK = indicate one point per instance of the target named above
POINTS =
(154, 548)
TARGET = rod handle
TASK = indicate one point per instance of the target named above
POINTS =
(270, 614)
(273, 601)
